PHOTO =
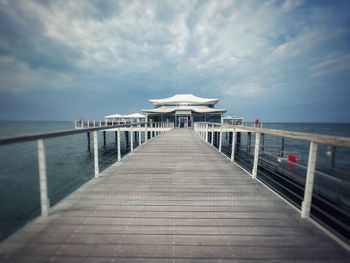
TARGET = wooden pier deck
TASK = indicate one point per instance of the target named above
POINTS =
(174, 199)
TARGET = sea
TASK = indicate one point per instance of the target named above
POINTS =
(69, 163)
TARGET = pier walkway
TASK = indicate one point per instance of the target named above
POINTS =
(174, 199)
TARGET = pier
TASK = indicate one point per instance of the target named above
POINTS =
(177, 198)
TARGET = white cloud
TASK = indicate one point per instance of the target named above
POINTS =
(331, 64)
(244, 90)
(290, 5)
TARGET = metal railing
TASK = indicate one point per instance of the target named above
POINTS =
(82, 124)
(134, 135)
(253, 124)
(321, 195)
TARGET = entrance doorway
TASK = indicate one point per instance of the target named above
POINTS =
(183, 121)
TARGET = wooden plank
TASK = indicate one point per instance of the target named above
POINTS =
(174, 199)
(183, 252)
(185, 240)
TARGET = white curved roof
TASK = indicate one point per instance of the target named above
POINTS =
(133, 115)
(199, 109)
(114, 116)
(184, 98)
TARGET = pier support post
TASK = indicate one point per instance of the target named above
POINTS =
(97, 172)
(131, 139)
(309, 183)
(88, 141)
(256, 155)
(220, 139)
(44, 200)
(233, 146)
(118, 144)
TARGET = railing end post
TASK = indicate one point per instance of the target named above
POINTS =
(96, 166)
(309, 183)
(44, 200)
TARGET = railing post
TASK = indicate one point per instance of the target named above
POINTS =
(104, 138)
(146, 132)
(131, 139)
(249, 142)
(212, 135)
(140, 138)
(330, 153)
(220, 139)
(309, 183)
(256, 154)
(206, 132)
(282, 147)
(233, 145)
(44, 200)
(96, 154)
(262, 142)
(203, 130)
(88, 141)
(118, 144)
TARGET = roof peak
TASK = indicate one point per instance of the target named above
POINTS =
(184, 98)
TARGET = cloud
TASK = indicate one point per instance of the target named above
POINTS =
(334, 63)
(290, 5)
(218, 48)
(17, 77)
(245, 90)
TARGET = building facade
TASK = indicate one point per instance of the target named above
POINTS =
(183, 110)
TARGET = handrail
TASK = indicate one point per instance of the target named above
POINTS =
(311, 137)
(208, 130)
(46, 135)
(153, 128)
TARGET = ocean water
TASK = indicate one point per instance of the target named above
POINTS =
(70, 163)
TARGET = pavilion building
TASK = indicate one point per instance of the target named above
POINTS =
(183, 110)
(129, 118)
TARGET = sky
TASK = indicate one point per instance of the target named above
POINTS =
(279, 60)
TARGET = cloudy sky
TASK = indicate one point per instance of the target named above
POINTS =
(276, 60)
